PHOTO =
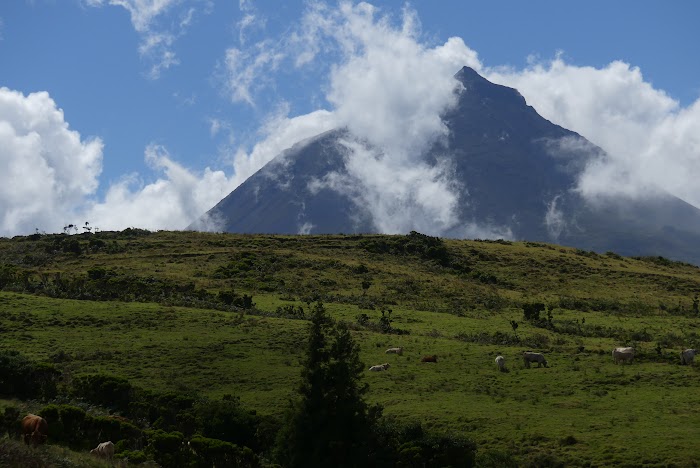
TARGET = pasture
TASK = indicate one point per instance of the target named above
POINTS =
(456, 301)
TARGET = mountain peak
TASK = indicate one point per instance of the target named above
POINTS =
(482, 88)
(469, 75)
(512, 174)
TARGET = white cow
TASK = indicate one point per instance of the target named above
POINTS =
(623, 354)
(529, 356)
(380, 367)
(398, 351)
(688, 356)
(104, 450)
(501, 363)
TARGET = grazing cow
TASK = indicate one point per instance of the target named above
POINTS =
(398, 351)
(104, 450)
(688, 356)
(501, 363)
(432, 358)
(380, 367)
(35, 429)
(623, 354)
(529, 356)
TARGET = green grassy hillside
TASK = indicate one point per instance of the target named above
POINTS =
(168, 311)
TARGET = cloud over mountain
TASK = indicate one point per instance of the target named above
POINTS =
(651, 140)
(390, 91)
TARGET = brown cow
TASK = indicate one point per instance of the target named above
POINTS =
(432, 358)
(35, 429)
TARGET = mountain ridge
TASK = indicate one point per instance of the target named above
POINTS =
(514, 175)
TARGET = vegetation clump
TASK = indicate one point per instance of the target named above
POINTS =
(415, 243)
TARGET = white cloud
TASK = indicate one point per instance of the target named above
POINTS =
(278, 134)
(48, 170)
(252, 19)
(650, 139)
(305, 229)
(390, 91)
(50, 177)
(171, 202)
(555, 219)
(218, 125)
(142, 12)
(160, 24)
(248, 71)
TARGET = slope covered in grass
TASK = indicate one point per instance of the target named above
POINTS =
(167, 311)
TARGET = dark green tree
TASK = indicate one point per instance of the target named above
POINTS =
(331, 423)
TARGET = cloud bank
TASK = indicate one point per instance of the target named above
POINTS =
(651, 141)
(48, 170)
(51, 176)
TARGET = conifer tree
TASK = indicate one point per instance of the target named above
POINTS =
(330, 424)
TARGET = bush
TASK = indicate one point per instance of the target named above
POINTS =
(230, 298)
(106, 390)
(496, 459)
(213, 452)
(290, 311)
(135, 457)
(397, 444)
(72, 419)
(531, 311)
(226, 420)
(52, 415)
(72, 426)
(167, 411)
(415, 243)
(22, 378)
(10, 422)
(167, 448)
(100, 428)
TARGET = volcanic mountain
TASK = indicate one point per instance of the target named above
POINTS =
(516, 173)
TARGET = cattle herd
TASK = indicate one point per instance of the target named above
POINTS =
(35, 429)
(619, 355)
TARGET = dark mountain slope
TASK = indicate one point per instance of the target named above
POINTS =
(516, 171)
(276, 199)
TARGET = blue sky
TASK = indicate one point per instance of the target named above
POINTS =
(175, 102)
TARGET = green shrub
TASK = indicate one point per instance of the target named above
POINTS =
(53, 417)
(135, 457)
(213, 452)
(226, 420)
(496, 459)
(10, 422)
(531, 311)
(415, 243)
(22, 378)
(106, 390)
(167, 448)
(408, 444)
(72, 419)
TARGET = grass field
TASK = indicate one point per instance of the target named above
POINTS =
(457, 304)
